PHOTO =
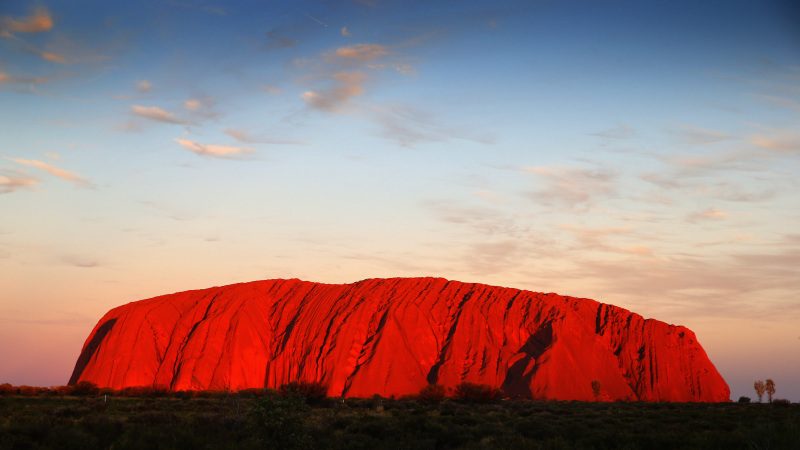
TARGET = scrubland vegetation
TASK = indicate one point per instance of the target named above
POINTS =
(300, 416)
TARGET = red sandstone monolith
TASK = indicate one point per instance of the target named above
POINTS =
(392, 337)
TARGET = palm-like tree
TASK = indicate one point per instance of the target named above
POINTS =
(760, 388)
(769, 385)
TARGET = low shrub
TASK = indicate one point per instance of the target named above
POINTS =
(477, 393)
(211, 394)
(781, 402)
(744, 399)
(253, 392)
(432, 393)
(7, 389)
(144, 391)
(313, 392)
(31, 391)
(85, 389)
(183, 395)
(61, 390)
(280, 422)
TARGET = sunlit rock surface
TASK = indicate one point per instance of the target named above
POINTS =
(393, 337)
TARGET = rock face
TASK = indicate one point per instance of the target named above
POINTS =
(393, 337)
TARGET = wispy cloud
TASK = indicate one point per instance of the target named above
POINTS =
(721, 190)
(23, 45)
(344, 32)
(782, 101)
(38, 22)
(737, 159)
(693, 135)
(157, 114)
(52, 56)
(341, 75)
(201, 107)
(144, 86)
(271, 89)
(247, 138)
(5, 78)
(782, 142)
(700, 286)
(84, 262)
(217, 151)
(621, 131)
(494, 256)
(597, 239)
(55, 171)
(362, 52)
(193, 104)
(12, 181)
(484, 221)
(276, 39)
(410, 126)
(707, 214)
(345, 86)
(571, 186)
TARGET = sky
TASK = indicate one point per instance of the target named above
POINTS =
(641, 153)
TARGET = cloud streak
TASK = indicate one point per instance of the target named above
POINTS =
(5, 78)
(410, 126)
(361, 52)
(83, 262)
(38, 22)
(156, 114)
(55, 171)
(785, 142)
(216, 151)
(345, 86)
(277, 40)
(618, 132)
(698, 136)
(144, 86)
(570, 186)
(201, 107)
(247, 138)
(12, 181)
(34, 50)
(707, 214)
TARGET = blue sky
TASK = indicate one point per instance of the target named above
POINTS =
(641, 153)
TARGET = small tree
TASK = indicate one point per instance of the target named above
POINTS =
(769, 385)
(596, 389)
(760, 388)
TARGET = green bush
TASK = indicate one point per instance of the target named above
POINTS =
(744, 399)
